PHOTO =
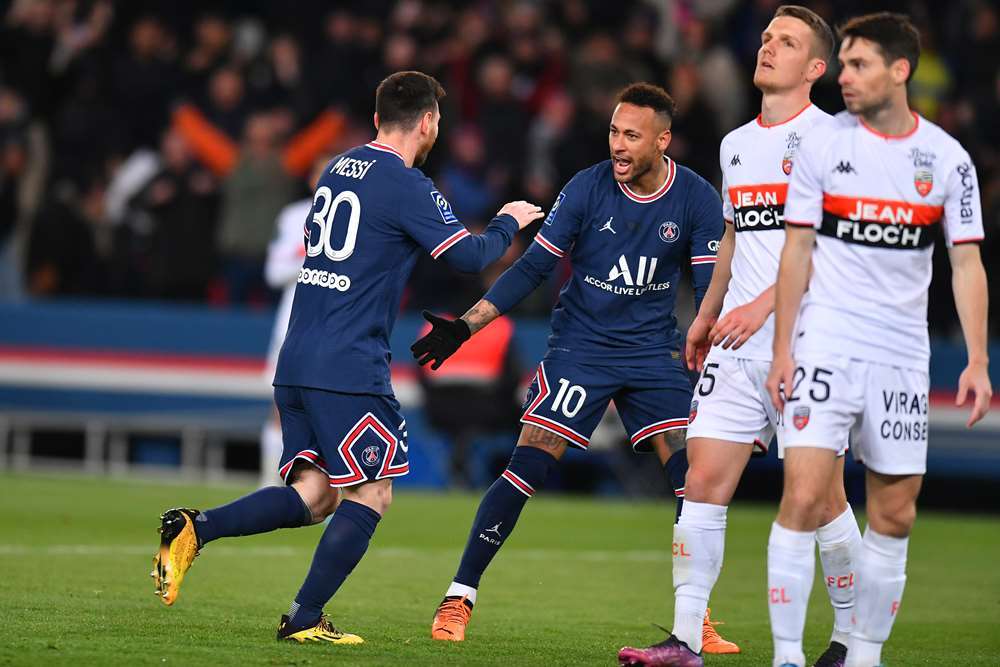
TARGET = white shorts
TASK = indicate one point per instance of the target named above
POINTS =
(880, 409)
(730, 402)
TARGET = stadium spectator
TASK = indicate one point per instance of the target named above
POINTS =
(252, 195)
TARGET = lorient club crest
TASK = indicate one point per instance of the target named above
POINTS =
(792, 142)
(800, 417)
(370, 456)
(694, 412)
(923, 174)
(923, 181)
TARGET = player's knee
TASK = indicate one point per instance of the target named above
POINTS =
(376, 495)
(894, 521)
(313, 486)
(699, 484)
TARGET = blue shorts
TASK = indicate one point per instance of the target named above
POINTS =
(353, 438)
(569, 399)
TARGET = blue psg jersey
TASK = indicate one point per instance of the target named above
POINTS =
(371, 217)
(626, 252)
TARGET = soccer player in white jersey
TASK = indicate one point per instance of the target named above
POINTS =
(285, 255)
(731, 413)
(868, 196)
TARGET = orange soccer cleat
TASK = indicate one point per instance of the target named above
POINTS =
(711, 641)
(450, 619)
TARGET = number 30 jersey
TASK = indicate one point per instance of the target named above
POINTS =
(371, 217)
(878, 203)
(756, 161)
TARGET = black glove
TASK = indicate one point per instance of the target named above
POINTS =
(442, 341)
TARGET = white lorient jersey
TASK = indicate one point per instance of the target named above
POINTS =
(756, 160)
(878, 204)
(285, 255)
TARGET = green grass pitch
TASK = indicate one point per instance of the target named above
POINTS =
(578, 579)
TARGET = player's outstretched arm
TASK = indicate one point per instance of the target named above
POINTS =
(471, 253)
(793, 278)
(446, 336)
(698, 336)
(968, 283)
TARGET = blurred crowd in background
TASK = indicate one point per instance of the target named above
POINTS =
(146, 148)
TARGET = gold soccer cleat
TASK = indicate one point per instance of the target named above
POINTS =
(323, 631)
(178, 548)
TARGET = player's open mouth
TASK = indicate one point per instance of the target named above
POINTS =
(621, 165)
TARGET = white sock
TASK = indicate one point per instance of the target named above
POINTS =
(458, 590)
(880, 576)
(699, 541)
(270, 453)
(839, 543)
(791, 563)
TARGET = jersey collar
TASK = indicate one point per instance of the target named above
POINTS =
(645, 199)
(760, 118)
(385, 149)
(889, 137)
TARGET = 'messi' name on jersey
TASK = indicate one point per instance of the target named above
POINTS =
(880, 223)
(758, 207)
(352, 168)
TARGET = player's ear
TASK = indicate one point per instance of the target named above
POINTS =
(375, 120)
(900, 70)
(817, 68)
(426, 121)
(663, 140)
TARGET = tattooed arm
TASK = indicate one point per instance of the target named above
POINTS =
(480, 315)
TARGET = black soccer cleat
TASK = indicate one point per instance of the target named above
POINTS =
(834, 656)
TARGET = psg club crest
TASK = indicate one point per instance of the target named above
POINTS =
(923, 181)
(694, 412)
(800, 417)
(669, 231)
(370, 456)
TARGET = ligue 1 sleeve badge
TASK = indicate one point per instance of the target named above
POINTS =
(800, 417)
(694, 412)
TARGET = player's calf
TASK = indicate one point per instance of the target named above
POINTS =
(495, 520)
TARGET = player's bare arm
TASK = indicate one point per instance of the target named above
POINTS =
(480, 315)
(696, 346)
(743, 321)
(793, 278)
(968, 282)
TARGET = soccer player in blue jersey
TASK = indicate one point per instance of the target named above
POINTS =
(373, 213)
(627, 224)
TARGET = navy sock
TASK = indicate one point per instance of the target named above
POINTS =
(676, 468)
(344, 542)
(262, 511)
(499, 509)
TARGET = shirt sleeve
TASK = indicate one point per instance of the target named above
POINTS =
(706, 231)
(728, 213)
(963, 212)
(427, 217)
(804, 203)
(552, 242)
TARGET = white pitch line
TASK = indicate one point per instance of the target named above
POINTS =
(589, 555)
